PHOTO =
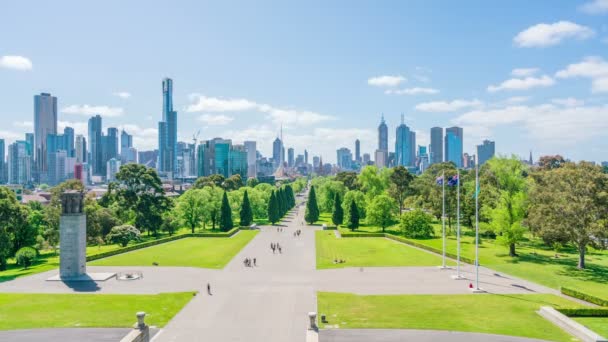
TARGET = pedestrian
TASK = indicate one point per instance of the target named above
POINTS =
(280, 252)
(209, 289)
(254, 264)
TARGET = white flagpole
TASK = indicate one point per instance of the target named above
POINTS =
(477, 228)
(458, 276)
(443, 217)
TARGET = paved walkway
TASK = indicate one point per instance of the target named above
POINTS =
(67, 335)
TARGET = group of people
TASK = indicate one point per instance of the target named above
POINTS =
(276, 247)
(297, 233)
(249, 262)
(279, 229)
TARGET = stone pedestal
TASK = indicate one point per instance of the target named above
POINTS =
(72, 246)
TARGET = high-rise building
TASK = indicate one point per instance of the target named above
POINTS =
(366, 159)
(251, 148)
(167, 133)
(78, 173)
(29, 140)
(95, 157)
(109, 147)
(315, 162)
(3, 170)
(80, 149)
(453, 145)
(277, 152)
(344, 158)
(405, 142)
(113, 166)
(214, 157)
(238, 161)
(436, 147)
(383, 136)
(148, 158)
(63, 142)
(290, 157)
(485, 151)
(358, 150)
(422, 160)
(19, 163)
(126, 142)
(58, 167)
(186, 160)
(45, 123)
(306, 157)
(381, 158)
(68, 136)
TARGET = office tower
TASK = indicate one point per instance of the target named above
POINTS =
(277, 151)
(113, 166)
(148, 158)
(3, 169)
(29, 140)
(80, 148)
(453, 145)
(299, 160)
(19, 163)
(131, 155)
(126, 142)
(95, 157)
(186, 160)
(366, 159)
(381, 158)
(290, 157)
(358, 151)
(214, 157)
(485, 151)
(315, 162)
(167, 132)
(251, 148)
(383, 136)
(68, 136)
(436, 147)
(109, 148)
(344, 158)
(238, 161)
(58, 167)
(422, 161)
(45, 123)
(405, 142)
(306, 157)
(78, 172)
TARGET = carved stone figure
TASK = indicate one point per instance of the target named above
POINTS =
(72, 202)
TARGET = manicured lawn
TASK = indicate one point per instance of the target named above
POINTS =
(495, 314)
(196, 252)
(597, 324)
(359, 252)
(28, 311)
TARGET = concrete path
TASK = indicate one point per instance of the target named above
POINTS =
(397, 335)
(67, 335)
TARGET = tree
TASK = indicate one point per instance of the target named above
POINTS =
(252, 182)
(551, 162)
(233, 182)
(122, 235)
(416, 225)
(190, 208)
(291, 198)
(246, 213)
(170, 224)
(374, 181)
(14, 226)
(360, 201)
(273, 209)
(353, 215)
(506, 218)
(337, 216)
(312, 209)
(349, 179)
(212, 180)
(327, 192)
(381, 210)
(26, 256)
(400, 181)
(225, 214)
(571, 201)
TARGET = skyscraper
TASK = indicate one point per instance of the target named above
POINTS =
(344, 158)
(95, 158)
(19, 163)
(167, 132)
(290, 157)
(436, 147)
(485, 151)
(358, 151)
(306, 157)
(68, 136)
(81, 149)
(29, 140)
(126, 142)
(45, 123)
(383, 136)
(251, 148)
(277, 151)
(453, 145)
(109, 148)
(238, 161)
(113, 166)
(405, 142)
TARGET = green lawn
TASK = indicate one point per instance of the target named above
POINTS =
(28, 311)
(494, 314)
(196, 252)
(359, 252)
(597, 324)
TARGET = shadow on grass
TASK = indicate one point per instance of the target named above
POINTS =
(592, 272)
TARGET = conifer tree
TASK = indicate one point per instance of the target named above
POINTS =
(225, 214)
(312, 209)
(337, 216)
(353, 220)
(273, 209)
(246, 211)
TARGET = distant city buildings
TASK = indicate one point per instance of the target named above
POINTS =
(453, 145)
(45, 123)
(167, 133)
(113, 166)
(344, 158)
(405, 146)
(436, 147)
(251, 148)
(485, 151)
(358, 151)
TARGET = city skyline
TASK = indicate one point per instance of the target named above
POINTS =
(507, 88)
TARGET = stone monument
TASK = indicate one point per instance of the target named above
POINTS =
(72, 236)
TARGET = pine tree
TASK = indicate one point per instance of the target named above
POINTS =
(312, 209)
(291, 199)
(246, 211)
(281, 202)
(353, 220)
(273, 209)
(225, 214)
(337, 216)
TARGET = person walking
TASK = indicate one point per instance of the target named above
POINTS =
(254, 262)
(209, 289)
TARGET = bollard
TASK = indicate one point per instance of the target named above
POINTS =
(313, 320)
(140, 320)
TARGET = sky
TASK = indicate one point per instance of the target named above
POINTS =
(530, 75)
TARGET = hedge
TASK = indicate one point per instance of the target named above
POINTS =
(428, 248)
(347, 235)
(584, 296)
(585, 312)
(158, 242)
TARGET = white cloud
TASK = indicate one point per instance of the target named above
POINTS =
(595, 7)
(386, 81)
(594, 68)
(411, 91)
(93, 110)
(523, 72)
(122, 94)
(543, 35)
(215, 120)
(283, 116)
(517, 99)
(80, 127)
(568, 102)
(523, 83)
(15, 63)
(24, 124)
(144, 138)
(447, 106)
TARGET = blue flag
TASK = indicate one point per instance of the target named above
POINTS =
(453, 181)
(439, 180)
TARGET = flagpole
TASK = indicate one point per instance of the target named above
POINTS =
(476, 226)
(458, 276)
(443, 216)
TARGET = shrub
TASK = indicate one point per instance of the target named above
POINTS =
(585, 312)
(26, 256)
(584, 296)
(417, 225)
(122, 235)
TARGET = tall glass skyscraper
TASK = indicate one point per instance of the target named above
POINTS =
(453, 145)
(45, 123)
(251, 148)
(485, 151)
(405, 142)
(383, 136)
(436, 148)
(167, 132)
(95, 158)
(277, 152)
(358, 151)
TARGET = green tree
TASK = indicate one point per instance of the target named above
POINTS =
(212, 180)
(374, 181)
(337, 216)
(400, 180)
(312, 209)
(233, 182)
(273, 209)
(349, 179)
(353, 215)
(122, 235)
(225, 214)
(246, 213)
(291, 198)
(170, 224)
(190, 208)
(26, 256)
(416, 225)
(546, 163)
(381, 210)
(509, 179)
(360, 201)
(15, 230)
(252, 182)
(571, 201)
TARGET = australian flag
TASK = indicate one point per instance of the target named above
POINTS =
(439, 180)
(453, 181)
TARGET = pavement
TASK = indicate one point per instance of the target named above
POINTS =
(67, 334)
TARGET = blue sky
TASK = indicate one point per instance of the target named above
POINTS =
(531, 75)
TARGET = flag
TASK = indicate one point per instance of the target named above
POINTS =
(476, 192)
(439, 180)
(453, 181)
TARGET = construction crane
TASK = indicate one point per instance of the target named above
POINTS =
(195, 137)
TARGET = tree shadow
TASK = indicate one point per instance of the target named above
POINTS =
(592, 272)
